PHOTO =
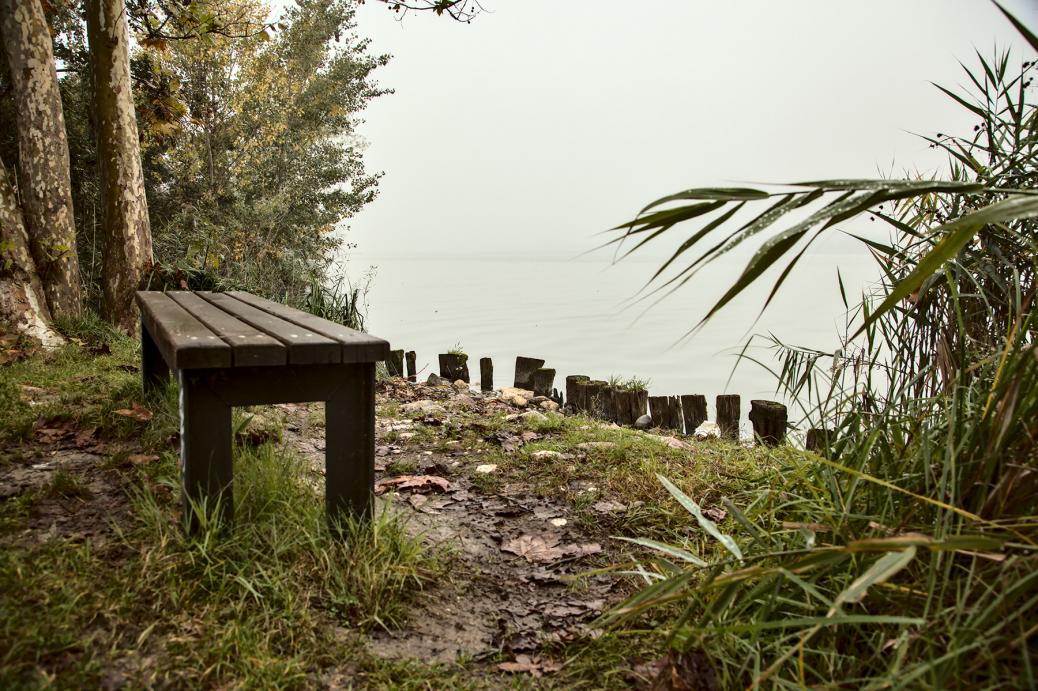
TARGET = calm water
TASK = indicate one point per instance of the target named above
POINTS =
(575, 314)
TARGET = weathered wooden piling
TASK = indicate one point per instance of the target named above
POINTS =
(665, 411)
(621, 406)
(581, 398)
(486, 374)
(629, 404)
(572, 381)
(524, 369)
(412, 365)
(542, 380)
(727, 407)
(395, 363)
(596, 394)
(454, 366)
(693, 409)
(818, 439)
(609, 403)
(769, 421)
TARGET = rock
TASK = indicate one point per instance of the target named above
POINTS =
(510, 391)
(486, 468)
(644, 422)
(517, 401)
(558, 522)
(423, 407)
(545, 455)
(592, 445)
(609, 506)
(436, 380)
(672, 442)
(532, 417)
(463, 401)
(708, 430)
(460, 386)
(537, 400)
(550, 406)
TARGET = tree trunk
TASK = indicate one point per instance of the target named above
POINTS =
(43, 166)
(127, 232)
(23, 305)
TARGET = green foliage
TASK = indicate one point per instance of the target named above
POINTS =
(628, 383)
(254, 182)
(251, 161)
(904, 556)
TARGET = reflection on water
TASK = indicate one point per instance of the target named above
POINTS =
(575, 315)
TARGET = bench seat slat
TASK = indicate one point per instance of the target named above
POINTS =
(304, 346)
(357, 346)
(249, 345)
(185, 343)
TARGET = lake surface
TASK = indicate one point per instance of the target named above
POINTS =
(576, 315)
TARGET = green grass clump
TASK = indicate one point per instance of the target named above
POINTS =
(628, 383)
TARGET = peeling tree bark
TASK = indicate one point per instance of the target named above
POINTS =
(23, 306)
(127, 231)
(43, 166)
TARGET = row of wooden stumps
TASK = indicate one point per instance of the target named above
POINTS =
(622, 404)
(530, 373)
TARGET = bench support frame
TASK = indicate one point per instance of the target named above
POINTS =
(206, 399)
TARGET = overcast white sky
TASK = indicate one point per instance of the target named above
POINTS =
(543, 122)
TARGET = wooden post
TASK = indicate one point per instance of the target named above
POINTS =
(154, 370)
(728, 414)
(674, 421)
(524, 369)
(637, 402)
(581, 398)
(486, 374)
(693, 409)
(542, 380)
(659, 410)
(454, 366)
(571, 390)
(596, 392)
(395, 363)
(621, 406)
(769, 421)
(818, 440)
(412, 368)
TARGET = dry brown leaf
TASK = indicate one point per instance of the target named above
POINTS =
(417, 482)
(137, 412)
(141, 458)
(536, 666)
(535, 548)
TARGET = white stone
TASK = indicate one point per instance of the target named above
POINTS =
(545, 455)
(423, 407)
(532, 416)
(558, 522)
(708, 430)
(486, 468)
(550, 406)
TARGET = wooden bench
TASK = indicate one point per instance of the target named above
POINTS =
(236, 349)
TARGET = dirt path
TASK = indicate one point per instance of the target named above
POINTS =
(511, 586)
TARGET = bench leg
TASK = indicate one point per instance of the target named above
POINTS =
(154, 371)
(205, 450)
(350, 443)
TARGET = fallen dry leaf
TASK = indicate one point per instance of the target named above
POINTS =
(536, 666)
(715, 514)
(137, 412)
(141, 458)
(544, 549)
(413, 482)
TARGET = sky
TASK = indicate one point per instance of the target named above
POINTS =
(540, 124)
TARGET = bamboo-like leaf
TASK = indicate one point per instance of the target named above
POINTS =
(670, 550)
(883, 570)
(957, 234)
(705, 523)
(728, 194)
